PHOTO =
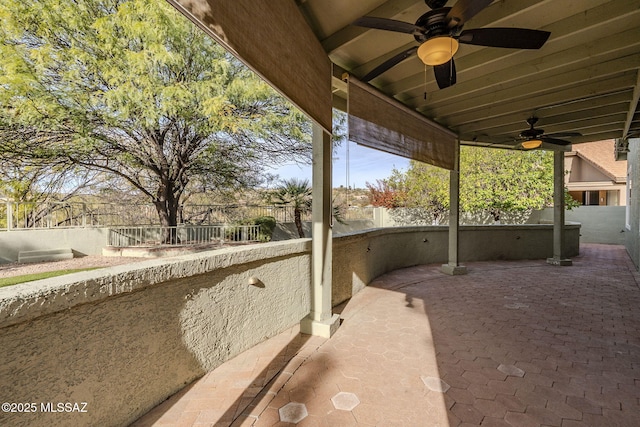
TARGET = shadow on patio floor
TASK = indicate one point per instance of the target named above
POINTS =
(517, 343)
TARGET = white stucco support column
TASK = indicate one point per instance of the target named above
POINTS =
(453, 267)
(559, 257)
(320, 320)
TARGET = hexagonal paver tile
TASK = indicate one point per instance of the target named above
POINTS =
(516, 305)
(345, 401)
(293, 412)
(514, 371)
(435, 384)
(467, 413)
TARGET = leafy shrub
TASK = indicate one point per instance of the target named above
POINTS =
(267, 225)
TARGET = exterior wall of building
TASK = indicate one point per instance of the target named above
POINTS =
(632, 218)
(582, 171)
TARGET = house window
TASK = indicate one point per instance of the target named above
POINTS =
(578, 196)
(592, 198)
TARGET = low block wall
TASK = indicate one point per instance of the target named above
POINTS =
(359, 258)
(125, 338)
(85, 241)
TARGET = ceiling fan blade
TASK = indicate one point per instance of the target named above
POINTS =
(389, 63)
(555, 141)
(515, 38)
(464, 10)
(445, 74)
(387, 24)
(563, 134)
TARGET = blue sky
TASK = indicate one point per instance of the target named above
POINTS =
(365, 165)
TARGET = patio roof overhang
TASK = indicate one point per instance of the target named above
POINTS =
(585, 79)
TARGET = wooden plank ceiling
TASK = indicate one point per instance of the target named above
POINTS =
(585, 79)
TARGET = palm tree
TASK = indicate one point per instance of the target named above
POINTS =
(297, 193)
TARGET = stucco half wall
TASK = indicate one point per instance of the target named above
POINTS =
(360, 257)
(123, 339)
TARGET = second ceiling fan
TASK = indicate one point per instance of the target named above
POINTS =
(533, 138)
(439, 32)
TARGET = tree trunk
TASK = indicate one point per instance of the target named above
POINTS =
(166, 235)
(298, 220)
(167, 206)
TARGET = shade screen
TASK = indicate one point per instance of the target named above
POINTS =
(379, 122)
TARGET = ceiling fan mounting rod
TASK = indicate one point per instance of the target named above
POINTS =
(435, 4)
(435, 24)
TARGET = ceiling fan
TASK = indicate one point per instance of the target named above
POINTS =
(533, 138)
(439, 32)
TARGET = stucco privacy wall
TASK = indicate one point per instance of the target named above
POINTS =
(125, 338)
(599, 224)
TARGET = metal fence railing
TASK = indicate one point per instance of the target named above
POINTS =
(27, 215)
(181, 235)
(21, 215)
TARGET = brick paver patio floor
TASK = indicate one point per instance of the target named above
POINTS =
(512, 343)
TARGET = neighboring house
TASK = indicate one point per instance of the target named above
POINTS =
(594, 176)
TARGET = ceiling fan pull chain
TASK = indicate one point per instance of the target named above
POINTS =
(451, 60)
(425, 82)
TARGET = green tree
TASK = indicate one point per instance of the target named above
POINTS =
(495, 181)
(295, 193)
(428, 190)
(132, 89)
(39, 191)
(491, 181)
(423, 190)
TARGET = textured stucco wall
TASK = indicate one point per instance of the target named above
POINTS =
(512, 242)
(86, 241)
(632, 222)
(599, 224)
(287, 230)
(125, 338)
(359, 258)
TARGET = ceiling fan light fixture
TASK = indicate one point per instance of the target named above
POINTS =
(531, 144)
(438, 50)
